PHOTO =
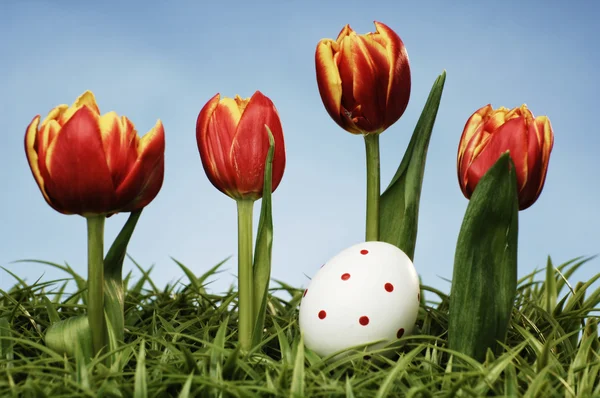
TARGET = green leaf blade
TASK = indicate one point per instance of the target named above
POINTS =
(484, 280)
(264, 247)
(114, 294)
(69, 335)
(399, 204)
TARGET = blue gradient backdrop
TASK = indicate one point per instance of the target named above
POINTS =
(150, 60)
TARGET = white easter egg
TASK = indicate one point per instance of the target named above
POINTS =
(367, 292)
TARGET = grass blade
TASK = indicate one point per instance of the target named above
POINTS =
(297, 389)
(395, 373)
(550, 287)
(6, 346)
(185, 391)
(140, 385)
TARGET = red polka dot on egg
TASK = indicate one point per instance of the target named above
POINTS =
(305, 291)
(400, 332)
(389, 287)
(363, 320)
(345, 276)
(364, 251)
(322, 314)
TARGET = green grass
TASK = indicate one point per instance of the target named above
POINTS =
(181, 342)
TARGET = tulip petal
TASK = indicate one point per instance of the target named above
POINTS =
(328, 79)
(516, 112)
(215, 129)
(120, 140)
(85, 99)
(221, 131)
(470, 140)
(76, 164)
(55, 113)
(202, 124)
(370, 83)
(398, 90)
(471, 127)
(145, 179)
(251, 144)
(350, 109)
(37, 143)
(546, 134)
(541, 141)
(345, 32)
(47, 133)
(32, 155)
(45, 137)
(496, 118)
(511, 136)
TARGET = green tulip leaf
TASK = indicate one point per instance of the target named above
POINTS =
(399, 203)
(114, 294)
(69, 335)
(263, 248)
(484, 281)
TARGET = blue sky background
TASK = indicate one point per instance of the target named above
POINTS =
(150, 60)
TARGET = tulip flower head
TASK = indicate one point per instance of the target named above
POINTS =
(233, 143)
(90, 164)
(364, 80)
(489, 133)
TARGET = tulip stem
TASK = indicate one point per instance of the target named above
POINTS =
(245, 282)
(372, 149)
(95, 230)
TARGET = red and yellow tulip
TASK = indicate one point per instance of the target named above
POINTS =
(89, 164)
(364, 80)
(233, 144)
(489, 133)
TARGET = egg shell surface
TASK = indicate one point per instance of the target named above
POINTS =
(367, 292)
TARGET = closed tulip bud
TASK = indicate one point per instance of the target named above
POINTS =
(233, 143)
(489, 133)
(364, 80)
(90, 164)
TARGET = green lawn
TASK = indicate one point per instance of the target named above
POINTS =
(181, 342)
